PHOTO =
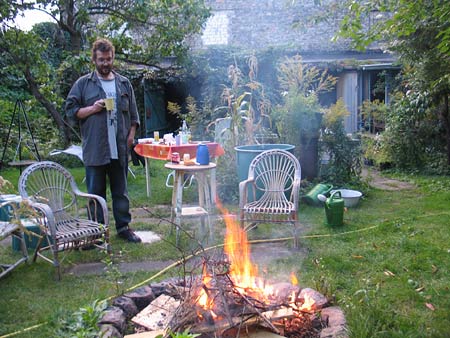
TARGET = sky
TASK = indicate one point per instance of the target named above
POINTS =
(31, 18)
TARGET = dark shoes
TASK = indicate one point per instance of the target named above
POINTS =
(129, 236)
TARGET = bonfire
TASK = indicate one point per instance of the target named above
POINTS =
(229, 299)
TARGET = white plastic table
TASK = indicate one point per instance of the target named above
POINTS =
(206, 181)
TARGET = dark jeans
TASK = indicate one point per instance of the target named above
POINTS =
(96, 184)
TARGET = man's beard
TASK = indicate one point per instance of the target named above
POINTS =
(104, 70)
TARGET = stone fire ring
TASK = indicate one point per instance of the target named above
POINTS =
(116, 318)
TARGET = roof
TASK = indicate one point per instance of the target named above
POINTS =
(379, 66)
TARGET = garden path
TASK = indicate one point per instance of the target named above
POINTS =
(376, 180)
(262, 254)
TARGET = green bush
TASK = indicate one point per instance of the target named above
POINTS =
(413, 139)
(298, 119)
(374, 150)
(344, 166)
(82, 323)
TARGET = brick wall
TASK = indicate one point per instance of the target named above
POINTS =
(261, 24)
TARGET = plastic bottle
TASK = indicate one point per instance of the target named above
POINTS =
(202, 155)
(184, 133)
(188, 137)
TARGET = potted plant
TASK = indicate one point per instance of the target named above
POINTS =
(299, 117)
(245, 106)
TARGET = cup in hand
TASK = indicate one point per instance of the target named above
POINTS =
(109, 103)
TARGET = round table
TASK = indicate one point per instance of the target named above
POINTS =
(205, 176)
(160, 151)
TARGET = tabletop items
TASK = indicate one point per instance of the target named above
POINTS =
(201, 157)
(164, 152)
(175, 158)
(184, 137)
(185, 133)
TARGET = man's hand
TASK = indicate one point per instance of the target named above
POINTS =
(130, 141)
(131, 135)
(98, 106)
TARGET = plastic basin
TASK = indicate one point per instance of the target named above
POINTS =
(351, 197)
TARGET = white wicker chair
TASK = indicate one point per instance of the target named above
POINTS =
(53, 194)
(273, 183)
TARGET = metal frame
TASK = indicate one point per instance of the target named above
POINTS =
(19, 108)
(13, 229)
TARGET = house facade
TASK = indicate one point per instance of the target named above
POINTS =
(281, 24)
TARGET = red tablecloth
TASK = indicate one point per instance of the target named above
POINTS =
(164, 151)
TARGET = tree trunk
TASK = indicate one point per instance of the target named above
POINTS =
(68, 23)
(75, 39)
(47, 105)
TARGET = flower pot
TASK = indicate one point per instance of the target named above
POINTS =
(309, 157)
(308, 150)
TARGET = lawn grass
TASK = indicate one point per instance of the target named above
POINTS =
(386, 279)
(387, 267)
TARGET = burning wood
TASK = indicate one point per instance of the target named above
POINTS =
(215, 304)
(230, 297)
(222, 325)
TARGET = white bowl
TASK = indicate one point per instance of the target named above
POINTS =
(145, 140)
(351, 197)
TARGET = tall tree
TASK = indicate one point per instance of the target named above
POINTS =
(144, 32)
(23, 57)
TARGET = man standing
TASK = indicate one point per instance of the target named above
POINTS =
(106, 134)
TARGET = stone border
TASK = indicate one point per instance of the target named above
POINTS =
(117, 316)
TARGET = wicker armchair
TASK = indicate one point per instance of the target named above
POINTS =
(53, 194)
(270, 194)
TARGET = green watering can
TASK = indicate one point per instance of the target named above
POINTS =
(334, 208)
(311, 197)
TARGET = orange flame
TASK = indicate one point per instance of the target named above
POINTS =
(242, 271)
(237, 248)
(294, 280)
(202, 299)
(308, 303)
